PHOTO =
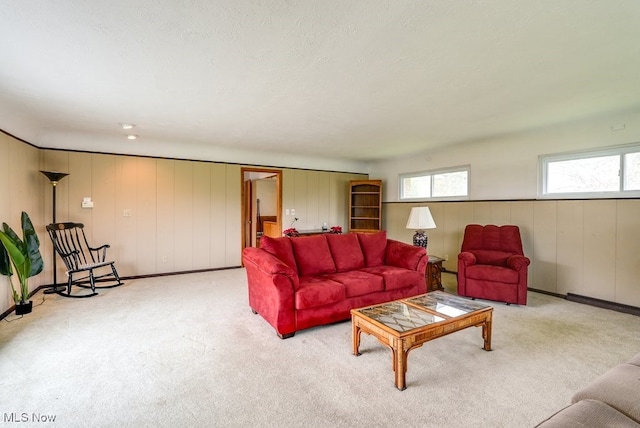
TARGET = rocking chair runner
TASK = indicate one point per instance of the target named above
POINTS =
(70, 242)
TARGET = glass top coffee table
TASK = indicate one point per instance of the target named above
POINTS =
(405, 324)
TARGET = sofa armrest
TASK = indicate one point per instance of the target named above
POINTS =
(272, 286)
(518, 262)
(265, 264)
(400, 254)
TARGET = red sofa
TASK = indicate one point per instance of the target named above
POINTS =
(302, 282)
(492, 265)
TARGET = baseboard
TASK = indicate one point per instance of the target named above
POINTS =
(548, 293)
(592, 301)
(184, 272)
(618, 307)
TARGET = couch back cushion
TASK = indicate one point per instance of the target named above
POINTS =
(281, 248)
(346, 251)
(373, 247)
(312, 255)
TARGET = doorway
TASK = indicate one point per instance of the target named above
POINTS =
(261, 205)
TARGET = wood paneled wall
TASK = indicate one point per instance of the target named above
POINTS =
(22, 189)
(317, 197)
(158, 215)
(184, 215)
(586, 247)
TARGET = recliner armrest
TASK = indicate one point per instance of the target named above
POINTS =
(469, 259)
(518, 262)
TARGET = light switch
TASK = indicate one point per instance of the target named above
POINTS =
(87, 202)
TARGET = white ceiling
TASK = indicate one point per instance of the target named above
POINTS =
(359, 80)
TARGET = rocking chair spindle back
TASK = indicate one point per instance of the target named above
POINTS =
(81, 260)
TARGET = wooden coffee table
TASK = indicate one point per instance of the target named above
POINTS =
(405, 324)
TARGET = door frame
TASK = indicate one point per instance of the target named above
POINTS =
(248, 199)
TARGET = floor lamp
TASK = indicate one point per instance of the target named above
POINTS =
(54, 178)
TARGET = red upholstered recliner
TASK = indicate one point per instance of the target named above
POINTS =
(491, 264)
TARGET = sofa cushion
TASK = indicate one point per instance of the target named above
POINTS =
(396, 278)
(281, 248)
(318, 291)
(346, 251)
(588, 414)
(492, 273)
(619, 387)
(312, 255)
(635, 360)
(373, 247)
(358, 283)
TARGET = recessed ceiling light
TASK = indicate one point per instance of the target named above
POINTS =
(127, 125)
(132, 137)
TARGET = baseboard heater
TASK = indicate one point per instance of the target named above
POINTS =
(619, 307)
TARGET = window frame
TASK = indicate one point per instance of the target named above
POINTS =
(431, 173)
(620, 151)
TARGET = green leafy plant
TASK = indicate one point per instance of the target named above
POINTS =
(22, 255)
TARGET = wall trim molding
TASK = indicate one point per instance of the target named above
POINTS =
(185, 272)
(506, 200)
(176, 159)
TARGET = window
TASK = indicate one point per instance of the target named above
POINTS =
(612, 172)
(450, 183)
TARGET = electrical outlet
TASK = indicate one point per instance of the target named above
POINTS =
(446, 257)
(293, 211)
(126, 213)
(164, 259)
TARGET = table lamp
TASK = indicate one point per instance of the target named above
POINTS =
(420, 219)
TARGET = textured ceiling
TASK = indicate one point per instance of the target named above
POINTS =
(357, 80)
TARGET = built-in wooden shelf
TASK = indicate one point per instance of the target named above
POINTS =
(365, 205)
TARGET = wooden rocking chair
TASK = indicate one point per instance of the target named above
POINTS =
(70, 242)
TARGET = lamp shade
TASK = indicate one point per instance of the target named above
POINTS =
(420, 218)
(53, 176)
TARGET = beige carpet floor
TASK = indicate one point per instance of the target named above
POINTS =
(186, 351)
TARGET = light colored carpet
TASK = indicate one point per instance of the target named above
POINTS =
(187, 351)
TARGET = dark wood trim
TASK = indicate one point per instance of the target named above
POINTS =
(7, 312)
(605, 304)
(19, 139)
(507, 200)
(184, 272)
(179, 159)
(548, 293)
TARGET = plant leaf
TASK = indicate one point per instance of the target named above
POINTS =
(31, 245)
(5, 263)
(14, 252)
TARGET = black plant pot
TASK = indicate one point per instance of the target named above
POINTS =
(23, 308)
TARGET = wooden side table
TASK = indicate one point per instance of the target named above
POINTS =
(433, 274)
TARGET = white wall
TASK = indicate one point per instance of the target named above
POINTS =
(267, 192)
(506, 167)
(581, 247)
